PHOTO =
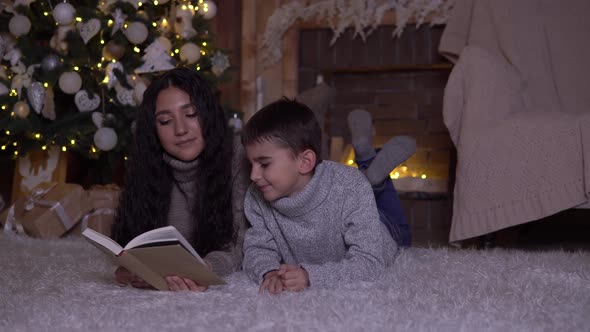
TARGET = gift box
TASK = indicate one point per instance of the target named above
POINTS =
(49, 211)
(100, 205)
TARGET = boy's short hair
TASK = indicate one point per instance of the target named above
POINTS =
(288, 123)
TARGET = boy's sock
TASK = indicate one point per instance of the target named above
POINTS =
(394, 152)
(360, 124)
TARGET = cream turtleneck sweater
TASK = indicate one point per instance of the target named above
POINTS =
(181, 202)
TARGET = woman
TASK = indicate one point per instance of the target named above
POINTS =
(181, 173)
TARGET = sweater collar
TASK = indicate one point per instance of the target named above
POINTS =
(312, 195)
(183, 171)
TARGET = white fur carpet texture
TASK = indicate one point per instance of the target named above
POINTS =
(67, 285)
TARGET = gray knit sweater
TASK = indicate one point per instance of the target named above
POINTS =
(181, 202)
(331, 229)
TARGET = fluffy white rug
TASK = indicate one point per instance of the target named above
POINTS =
(67, 284)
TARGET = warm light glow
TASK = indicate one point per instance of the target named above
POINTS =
(414, 175)
(198, 67)
(203, 52)
(99, 65)
(139, 4)
(184, 7)
(404, 168)
(46, 84)
(8, 132)
(156, 3)
(110, 22)
(15, 143)
(3, 107)
(37, 135)
(76, 68)
(13, 93)
(102, 42)
(3, 147)
(204, 43)
(64, 149)
(350, 162)
(125, 26)
(45, 14)
(113, 61)
(93, 149)
(171, 53)
(44, 148)
(136, 49)
(191, 7)
(106, 80)
(78, 19)
(72, 142)
(16, 153)
(423, 176)
(125, 157)
(176, 51)
(155, 25)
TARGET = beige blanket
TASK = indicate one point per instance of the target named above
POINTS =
(517, 106)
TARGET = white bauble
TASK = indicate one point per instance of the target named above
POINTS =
(190, 53)
(70, 82)
(105, 139)
(19, 25)
(21, 109)
(64, 13)
(208, 9)
(136, 32)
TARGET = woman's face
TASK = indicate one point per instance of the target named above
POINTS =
(177, 124)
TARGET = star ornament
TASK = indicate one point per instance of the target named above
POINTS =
(119, 20)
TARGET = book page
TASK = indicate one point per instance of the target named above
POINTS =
(163, 234)
(102, 241)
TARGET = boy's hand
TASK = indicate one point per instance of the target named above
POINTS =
(125, 277)
(272, 282)
(176, 283)
(294, 278)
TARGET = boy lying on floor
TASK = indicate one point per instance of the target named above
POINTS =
(314, 223)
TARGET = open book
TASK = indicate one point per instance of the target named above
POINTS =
(156, 254)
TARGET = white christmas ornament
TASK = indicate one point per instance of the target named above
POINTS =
(219, 63)
(105, 139)
(125, 96)
(36, 95)
(119, 20)
(70, 82)
(64, 13)
(88, 29)
(21, 109)
(85, 103)
(183, 24)
(190, 53)
(208, 9)
(136, 32)
(156, 58)
(19, 25)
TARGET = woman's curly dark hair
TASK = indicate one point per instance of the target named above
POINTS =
(145, 200)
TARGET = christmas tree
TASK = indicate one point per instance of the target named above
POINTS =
(73, 73)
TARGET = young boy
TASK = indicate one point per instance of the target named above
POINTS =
(314, 223)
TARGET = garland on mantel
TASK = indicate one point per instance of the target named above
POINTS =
(363, 16)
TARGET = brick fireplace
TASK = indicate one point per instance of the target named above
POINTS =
(400, 81)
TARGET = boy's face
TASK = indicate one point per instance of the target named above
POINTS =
(276, 172)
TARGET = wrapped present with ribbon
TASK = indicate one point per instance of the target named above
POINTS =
(49, 211)
(101, 203)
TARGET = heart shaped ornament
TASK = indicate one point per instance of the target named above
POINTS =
(97, 119)
(125, 97)
(88, 29)
(84, 102)
(36, 95)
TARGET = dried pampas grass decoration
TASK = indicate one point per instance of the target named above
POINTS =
(363, 16)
